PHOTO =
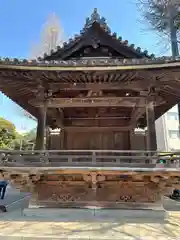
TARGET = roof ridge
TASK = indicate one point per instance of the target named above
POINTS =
(96, 18)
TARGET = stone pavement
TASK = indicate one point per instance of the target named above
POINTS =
(14, 200)
(171, 205)
(14, 225)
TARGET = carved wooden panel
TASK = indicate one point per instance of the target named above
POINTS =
(112, 193)
(128, 192)
(63, 192)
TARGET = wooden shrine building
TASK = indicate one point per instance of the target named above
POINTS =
(97, 89)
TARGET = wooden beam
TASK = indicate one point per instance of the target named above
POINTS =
(134, 85)
(88, 102)
(95, 122)
(128, 102)
(97, 129)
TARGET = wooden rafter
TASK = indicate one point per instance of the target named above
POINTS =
(21, 87)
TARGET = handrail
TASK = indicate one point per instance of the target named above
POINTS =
(87, 158)
(97, 151)
(31, 152)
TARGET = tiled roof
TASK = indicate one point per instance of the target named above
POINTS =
(89, 62)
(96, 18)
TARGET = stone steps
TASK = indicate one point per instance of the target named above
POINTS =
(93, 214)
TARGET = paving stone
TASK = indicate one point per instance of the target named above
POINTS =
(16, 225)
(13, 225)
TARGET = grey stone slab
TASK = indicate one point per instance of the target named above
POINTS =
(9, 198)
(13, 201)
(104, 215)
(62, 213)
(120, 214)
(170, 204)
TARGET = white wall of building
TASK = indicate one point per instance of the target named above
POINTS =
(161, 135)
(167, 131)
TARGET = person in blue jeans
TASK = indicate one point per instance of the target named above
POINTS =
(3, 186)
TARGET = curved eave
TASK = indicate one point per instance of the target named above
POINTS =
(49, 67)
(19, 88)
(20, 101)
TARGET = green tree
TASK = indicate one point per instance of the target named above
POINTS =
(10, 139)
(7, 134)
(28, 140)
(31, 135)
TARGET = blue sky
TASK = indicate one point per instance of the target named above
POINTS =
(21, 23)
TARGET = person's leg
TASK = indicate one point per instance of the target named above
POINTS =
(3, 192)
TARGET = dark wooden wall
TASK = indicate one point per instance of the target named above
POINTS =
(138, 141)
(54, 142)
(97, 140)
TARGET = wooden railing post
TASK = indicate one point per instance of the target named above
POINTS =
(70, 159)
(94, 157)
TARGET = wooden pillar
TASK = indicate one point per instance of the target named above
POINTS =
(131, 138)
(151, 130)
(48, 139)
(62, 138)
(41, 128)
(60, 121)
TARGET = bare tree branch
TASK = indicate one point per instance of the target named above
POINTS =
(163, 17)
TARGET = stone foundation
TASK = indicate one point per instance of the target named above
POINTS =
(104, 188)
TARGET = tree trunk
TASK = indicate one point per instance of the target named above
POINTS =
(174, 42)
(173, 33)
